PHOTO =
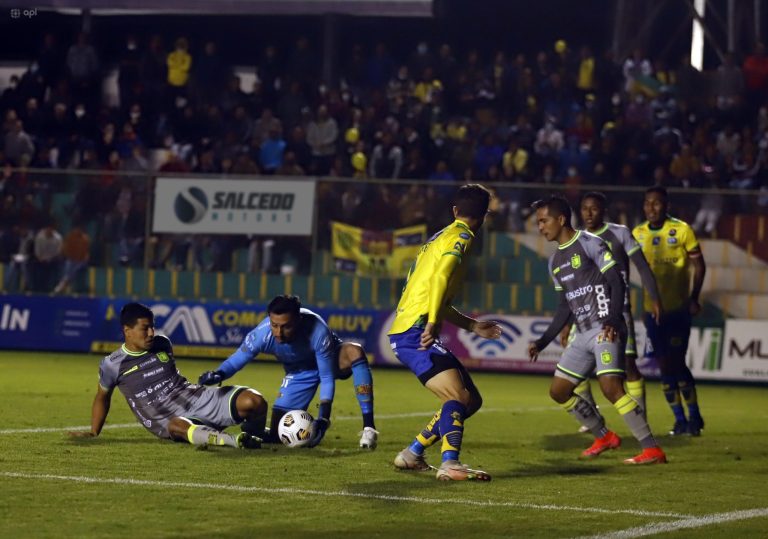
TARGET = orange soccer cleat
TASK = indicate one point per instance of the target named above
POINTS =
(650, 455)
(609, 441)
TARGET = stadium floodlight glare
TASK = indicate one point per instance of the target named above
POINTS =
(697, 37)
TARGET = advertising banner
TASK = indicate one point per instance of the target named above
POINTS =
(278, 207)
(387, 253)
(739, 352)
(744, 352)
(39, 323)
(215, 330)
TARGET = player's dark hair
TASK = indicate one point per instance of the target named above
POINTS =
(556, 205)
(284, 304)
(661, 191)
(131, 312)
(601, 199)
(472, 200)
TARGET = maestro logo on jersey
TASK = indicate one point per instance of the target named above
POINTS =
(190, 205)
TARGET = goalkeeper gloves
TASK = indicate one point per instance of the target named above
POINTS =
(210, 378)
(319, 426)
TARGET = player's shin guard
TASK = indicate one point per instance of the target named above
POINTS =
(672, 393)
(584, 390)
(633, 416)
(636, 390)
(452, 428)
(428, 436)
(363, 382)
(586, 414)
(200, 435)
(687, 387)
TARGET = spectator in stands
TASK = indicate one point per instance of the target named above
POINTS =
(271, 152)
(290, 167)
(76, 252)
(47, 249)
(83, 67)
(210, 73)
(756, 76)
(297, 145)
(386, 159)
(19, 244)
(18, 143)
(322, 135)
(129, 71)
(179, 63)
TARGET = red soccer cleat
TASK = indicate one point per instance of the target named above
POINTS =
(609, 441)
(650, 455)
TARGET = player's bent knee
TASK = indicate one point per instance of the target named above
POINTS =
(251, 402)
(178, 427)
(349, 353)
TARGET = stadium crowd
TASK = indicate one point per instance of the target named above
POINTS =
(565, 116)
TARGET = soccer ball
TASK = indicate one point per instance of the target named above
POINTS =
(295, 428)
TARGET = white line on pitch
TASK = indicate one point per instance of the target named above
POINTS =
(688, 523)
(331, 493)
(35, 430)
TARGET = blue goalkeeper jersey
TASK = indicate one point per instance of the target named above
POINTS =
(314, 347)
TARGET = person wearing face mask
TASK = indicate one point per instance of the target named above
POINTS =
(313, 358)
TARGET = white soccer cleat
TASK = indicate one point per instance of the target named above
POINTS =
(453, 470)
(408, 460)
(369, 438)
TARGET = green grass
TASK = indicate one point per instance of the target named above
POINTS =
(530, 447)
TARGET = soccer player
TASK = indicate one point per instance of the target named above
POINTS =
(163, 400)
(670, 246)
(312, 356)
(591, 291)
(425, 303)
(623, 248)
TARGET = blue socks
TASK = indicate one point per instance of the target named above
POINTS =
(451, 423)
(363, 382)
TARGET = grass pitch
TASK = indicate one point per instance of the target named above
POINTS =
(128, 484)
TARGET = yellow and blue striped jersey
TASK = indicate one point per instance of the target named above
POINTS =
(667, 250)
(434, 278)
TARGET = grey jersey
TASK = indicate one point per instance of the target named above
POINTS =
(622, 245)
(149, 381)
(577, 269)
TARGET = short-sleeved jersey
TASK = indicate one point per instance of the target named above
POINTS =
(314, 347)
(577, 269)
(414, 306)
(622, 245)
(149, 381)
(667, 250)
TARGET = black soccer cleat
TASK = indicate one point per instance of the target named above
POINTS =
(679, 429)
(248, 441)
(695, 425)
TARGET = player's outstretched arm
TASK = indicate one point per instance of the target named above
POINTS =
(99, 411)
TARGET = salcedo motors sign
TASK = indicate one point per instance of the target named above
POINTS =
(279, 207)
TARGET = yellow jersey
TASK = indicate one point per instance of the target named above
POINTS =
(667, 250)
(434, 278)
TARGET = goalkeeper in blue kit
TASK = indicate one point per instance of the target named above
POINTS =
(313, 357)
